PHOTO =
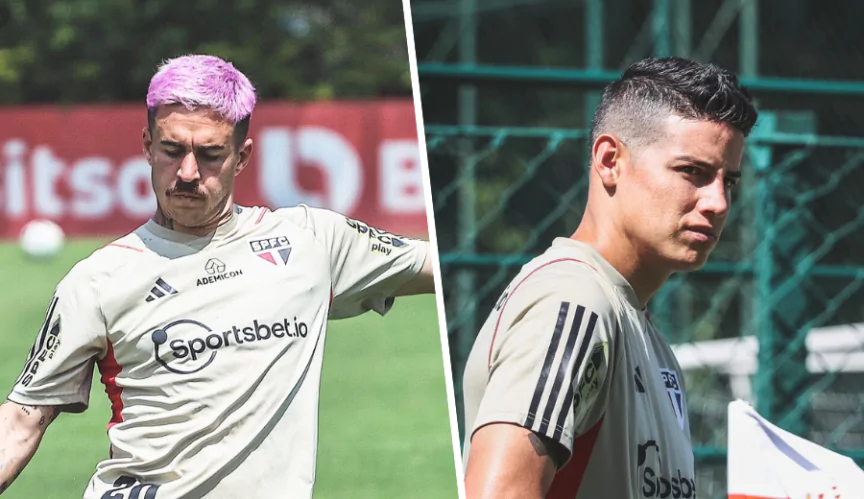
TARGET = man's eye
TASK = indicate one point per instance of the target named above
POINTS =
(690, 170)
(209, 157)
(174, 153)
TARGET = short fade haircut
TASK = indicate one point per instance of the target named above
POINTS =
(652, 89)
(197, 81)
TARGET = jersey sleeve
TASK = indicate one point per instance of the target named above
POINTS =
(59, 367)
(549, 361)
(367, 265)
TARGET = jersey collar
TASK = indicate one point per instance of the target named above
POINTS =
(222, 232)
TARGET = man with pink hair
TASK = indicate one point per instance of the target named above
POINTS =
(208, 322)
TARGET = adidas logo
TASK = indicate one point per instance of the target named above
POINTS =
(161, 289)
(637, 377)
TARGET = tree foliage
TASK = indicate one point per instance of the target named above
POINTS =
(71, 51)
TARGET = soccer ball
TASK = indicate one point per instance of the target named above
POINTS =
(41, 239)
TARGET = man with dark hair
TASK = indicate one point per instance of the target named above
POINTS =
(570, 390)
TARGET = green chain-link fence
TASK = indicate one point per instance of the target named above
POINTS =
(774, 317)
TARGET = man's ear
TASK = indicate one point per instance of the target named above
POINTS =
(147, 142)
(245, 154)
(606, 156)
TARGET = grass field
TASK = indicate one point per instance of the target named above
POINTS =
(384, 429)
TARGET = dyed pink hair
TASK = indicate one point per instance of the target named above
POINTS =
(203, 81)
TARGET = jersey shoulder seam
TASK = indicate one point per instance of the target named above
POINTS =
(98, 267)
(532, 272)
(306, 227)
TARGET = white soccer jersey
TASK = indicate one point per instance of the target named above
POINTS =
(568, 353)
(211, 348)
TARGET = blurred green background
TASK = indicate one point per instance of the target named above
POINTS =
(86, 51)
(384, 427)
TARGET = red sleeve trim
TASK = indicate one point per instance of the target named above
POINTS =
(506, 300)
(139, 250)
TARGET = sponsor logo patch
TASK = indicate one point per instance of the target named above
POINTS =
(45, 347)
(383, 242)
(592, 378)
(193, 345)
(217, 271)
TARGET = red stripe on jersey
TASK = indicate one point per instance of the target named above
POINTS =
(109, 368)
(745, 496)
(498, 323)
(261, 216)
(139, 250)
(569, 478)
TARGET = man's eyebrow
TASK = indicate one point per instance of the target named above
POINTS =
(736, 174)
(171, 143)
(695, 161)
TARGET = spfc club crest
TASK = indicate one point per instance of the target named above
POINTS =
(275, 250)
(676, 395)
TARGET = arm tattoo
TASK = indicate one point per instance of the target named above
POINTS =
(28, 410)
(547, 447)
(14, 460)
(539, 445)
(43, 420)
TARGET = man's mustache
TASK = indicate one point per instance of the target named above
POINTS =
(188, 188)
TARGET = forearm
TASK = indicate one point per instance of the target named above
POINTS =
(507, 462)
(21, 430)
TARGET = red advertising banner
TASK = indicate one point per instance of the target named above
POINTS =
(83, 167)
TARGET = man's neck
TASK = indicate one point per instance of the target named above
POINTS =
(642, 276)
(166, 221)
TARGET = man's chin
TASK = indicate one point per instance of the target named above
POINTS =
(187, 205)
(691, 261)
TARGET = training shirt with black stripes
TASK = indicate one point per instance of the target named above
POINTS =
(568, 353)
(211, 348)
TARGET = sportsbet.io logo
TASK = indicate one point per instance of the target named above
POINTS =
(654, 482)
(192, 345)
